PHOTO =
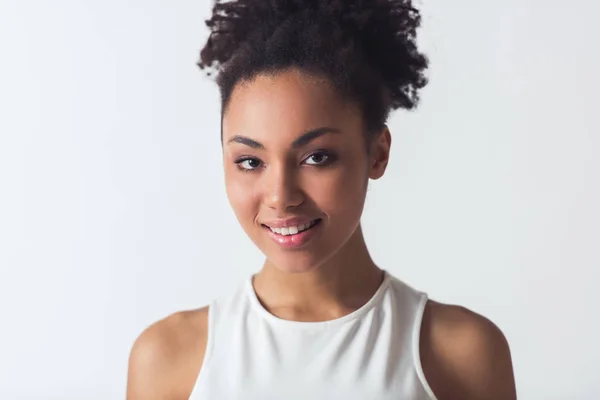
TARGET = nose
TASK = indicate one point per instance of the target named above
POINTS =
(281, 188)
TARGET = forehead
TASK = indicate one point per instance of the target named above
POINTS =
(288, 102)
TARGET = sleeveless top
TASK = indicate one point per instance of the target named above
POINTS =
(371, 353)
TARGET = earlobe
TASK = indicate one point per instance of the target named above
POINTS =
(378, 170)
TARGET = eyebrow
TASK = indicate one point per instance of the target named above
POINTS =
(303, 140)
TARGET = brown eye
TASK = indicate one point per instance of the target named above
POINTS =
(319, 158)
(248, 164)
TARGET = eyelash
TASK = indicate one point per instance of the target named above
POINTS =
(330, 158)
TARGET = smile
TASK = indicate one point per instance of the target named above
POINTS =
(294, 236)
(294, 230)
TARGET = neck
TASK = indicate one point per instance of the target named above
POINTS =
(341, 285)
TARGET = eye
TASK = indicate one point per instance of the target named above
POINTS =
(318, 158)
(248, 164)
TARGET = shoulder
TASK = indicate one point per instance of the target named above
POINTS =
(166, 357)
(465, 355)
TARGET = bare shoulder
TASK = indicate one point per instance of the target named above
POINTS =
(465, 355)
(166, 357)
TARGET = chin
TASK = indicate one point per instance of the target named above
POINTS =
(295, 263)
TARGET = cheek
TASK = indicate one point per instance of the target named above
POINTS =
(242, 197)
(342, 194)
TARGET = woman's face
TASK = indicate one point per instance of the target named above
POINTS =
(297, 167)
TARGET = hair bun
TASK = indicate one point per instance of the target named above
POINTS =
(340, 38)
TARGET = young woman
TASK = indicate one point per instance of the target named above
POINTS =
(307, 86)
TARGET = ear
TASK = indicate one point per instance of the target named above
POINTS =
(380, 154)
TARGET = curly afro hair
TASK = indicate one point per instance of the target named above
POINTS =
(366, 48)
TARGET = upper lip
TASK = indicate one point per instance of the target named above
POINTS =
(288, 222)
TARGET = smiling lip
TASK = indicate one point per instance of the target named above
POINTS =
(286, 223)
(285, 237)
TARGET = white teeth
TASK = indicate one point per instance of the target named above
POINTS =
(293, 230)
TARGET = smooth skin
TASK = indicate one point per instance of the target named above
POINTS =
(292, 147)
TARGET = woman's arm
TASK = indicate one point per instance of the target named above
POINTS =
(464, 355)
(166, 358)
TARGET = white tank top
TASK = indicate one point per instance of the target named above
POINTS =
(371, 353)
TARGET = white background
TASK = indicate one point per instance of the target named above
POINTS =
(113, 212)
